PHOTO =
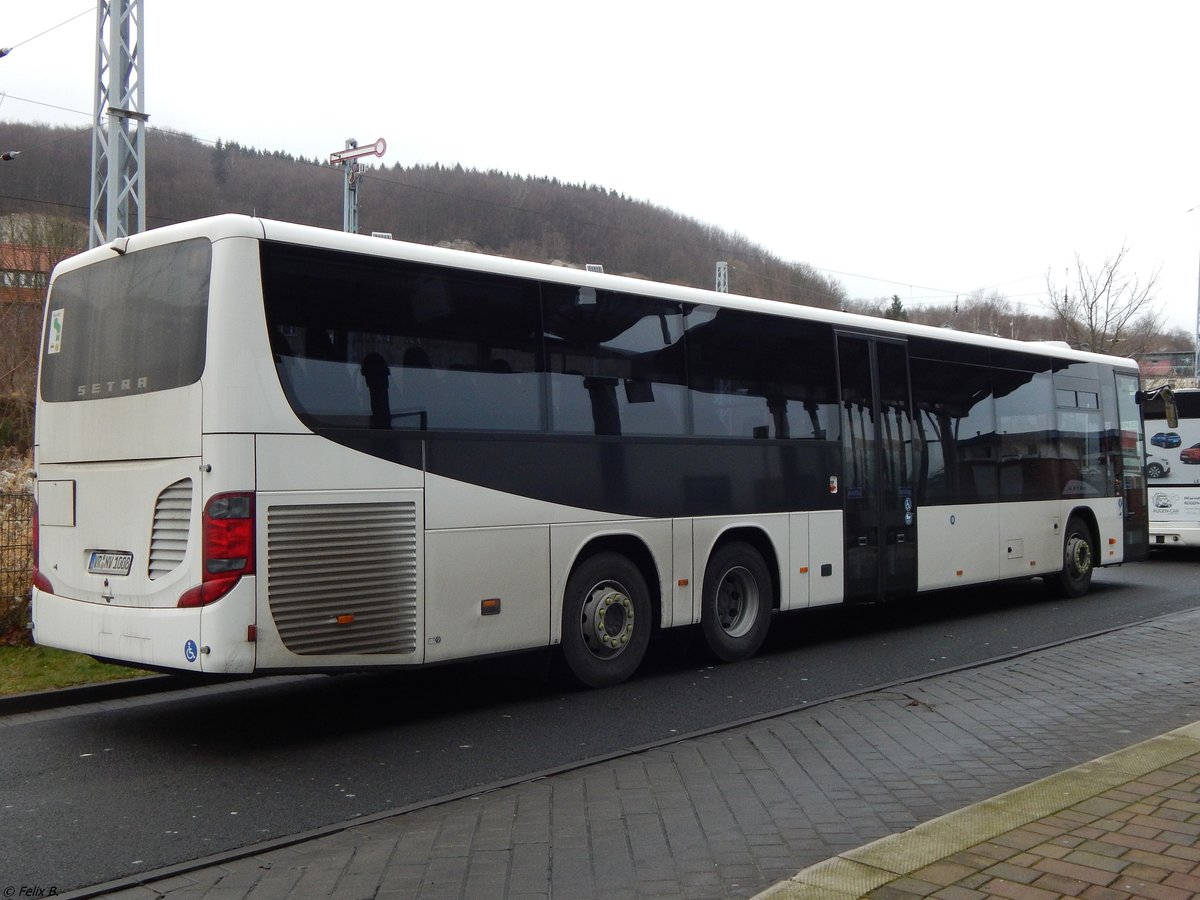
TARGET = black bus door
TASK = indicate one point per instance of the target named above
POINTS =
(878, 464)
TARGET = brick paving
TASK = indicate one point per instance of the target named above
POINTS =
(1067, 772)
(1124, 826)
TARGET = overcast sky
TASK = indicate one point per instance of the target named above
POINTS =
(924, 149)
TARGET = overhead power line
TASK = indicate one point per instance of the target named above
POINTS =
(7, 50)
(7, 96)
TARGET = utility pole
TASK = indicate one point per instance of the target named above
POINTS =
(1196, 346)
(349, 160)
(1196, 353)
(118, 194)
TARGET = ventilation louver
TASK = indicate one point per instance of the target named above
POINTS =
(342, 578)
(169, 532)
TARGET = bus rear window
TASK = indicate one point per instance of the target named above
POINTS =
(132, 324)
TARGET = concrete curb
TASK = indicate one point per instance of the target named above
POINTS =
(857, 872)
(36, 701)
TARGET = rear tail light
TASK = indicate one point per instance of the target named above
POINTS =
(228, 539)
(40, 581)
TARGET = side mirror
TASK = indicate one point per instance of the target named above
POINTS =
(1166, 396)
(1171, 409)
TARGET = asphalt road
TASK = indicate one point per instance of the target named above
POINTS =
(92, 793)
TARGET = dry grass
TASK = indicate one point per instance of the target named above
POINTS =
(20, 323)
(16, 550)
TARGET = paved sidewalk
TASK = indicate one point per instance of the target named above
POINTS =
(1126, 825)
(1072, 771)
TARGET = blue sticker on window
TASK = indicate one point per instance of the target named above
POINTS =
(190, 652)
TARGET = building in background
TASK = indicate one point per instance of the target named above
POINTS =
(24, 272)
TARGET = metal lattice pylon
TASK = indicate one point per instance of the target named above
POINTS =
(722, 285)
(118, 206)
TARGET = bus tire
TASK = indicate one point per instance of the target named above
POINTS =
(736, 603)
(1079, 561)
(607, 620)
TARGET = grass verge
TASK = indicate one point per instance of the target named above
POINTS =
(26, 668)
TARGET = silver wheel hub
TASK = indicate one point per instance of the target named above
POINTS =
(738, 599)
(1079, 556)
(607, 621)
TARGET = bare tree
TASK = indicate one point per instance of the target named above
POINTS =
(1106, 310)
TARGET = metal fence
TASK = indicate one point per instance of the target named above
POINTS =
(16, 558)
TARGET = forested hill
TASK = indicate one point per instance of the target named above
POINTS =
(511, 215)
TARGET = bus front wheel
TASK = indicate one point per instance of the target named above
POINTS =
(1079, 561)
(736, 604)
(607, 620)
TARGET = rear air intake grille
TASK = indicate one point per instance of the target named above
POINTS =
(342, 577)
(169, 533)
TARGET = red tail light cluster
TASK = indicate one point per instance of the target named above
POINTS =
(40, 581)
(228, 537)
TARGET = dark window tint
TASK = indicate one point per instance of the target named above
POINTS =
(956, 422)
(1127, 456)
(129, 325)
(1187, 404)
(361, 341)
(1083, 464)
(616, 363)
(950, 351)
(1025, 422)
(757, 376)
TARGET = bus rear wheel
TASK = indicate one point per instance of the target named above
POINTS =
(607, 619)
(736, 603)
(1079, 561)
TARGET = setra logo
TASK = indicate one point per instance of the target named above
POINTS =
(119, 386)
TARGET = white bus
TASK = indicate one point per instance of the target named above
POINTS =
(262, 447)
(1173, 471)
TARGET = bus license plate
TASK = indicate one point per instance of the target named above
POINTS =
(110, 562)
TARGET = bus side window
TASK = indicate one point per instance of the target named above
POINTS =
(318, 344)
(1025, 422)
(616, 363)
(416, 357)
(956, 421)
(757, 377)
